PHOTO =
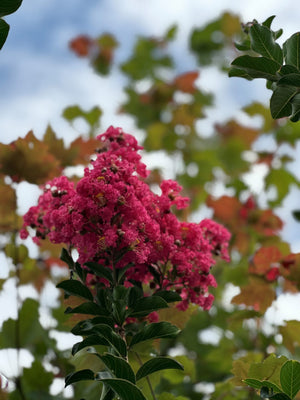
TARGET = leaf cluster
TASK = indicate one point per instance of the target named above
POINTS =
(280, 66)
(111, 330)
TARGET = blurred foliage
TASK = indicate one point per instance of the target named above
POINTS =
(233, 341)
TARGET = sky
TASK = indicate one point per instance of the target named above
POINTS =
(39, 76)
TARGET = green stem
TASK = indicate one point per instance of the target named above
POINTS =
(147, 378)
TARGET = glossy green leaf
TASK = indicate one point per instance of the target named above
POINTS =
(267, 393)
(291, 79)
(257, 384)
(157, 330)
(288, 69)
(257, 67)
(9, 6)
(291, 50)
(296, 215)
(92, 340)
(146, 305)
(290, 378)
(65, 257)
(4, 29)
(100, 270)
(239, 73)
(87, 308)
(280, 102)
(119, 367)
(168, 295)
(82, 327)
(75, 288)
(83, 375)
(157, 364)
(295, 108)
(262, 41)
(112, 337)
(124, 389)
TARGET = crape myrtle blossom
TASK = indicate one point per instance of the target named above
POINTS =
(112, 217)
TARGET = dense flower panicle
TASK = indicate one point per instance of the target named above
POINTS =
(112, 217)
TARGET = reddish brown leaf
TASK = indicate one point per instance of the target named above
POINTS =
(264, 258)
(28, 159)
(8, 204)
(232, 129)
(268, 223)
(226, 208)
(81, 45)
(186, 82)
(258, 294)
(83, 149)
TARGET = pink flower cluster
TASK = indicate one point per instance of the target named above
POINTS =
(112, 217)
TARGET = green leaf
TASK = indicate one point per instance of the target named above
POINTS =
(157, 364)
(87, 308)
(280, 103)
(257, 384)
(9, 6)
(75, 288)
(239, 73)
(288, 69)
(124, 389)
(83, 375)
(146, 305)
(257, 67)
(81, 272)
(295, 108)
(92, 340)
(291, 50)
(170, 396)
(118, 366)
(296, 215)
(82, 327)
(266, 393)
(65, 257)
(168, 295)
(290, 378)
(281, 179)
(262, 41)
(100, 270)
(33, 385)
(157, 330)
(290, 80)
(4, 29)
(268, 21)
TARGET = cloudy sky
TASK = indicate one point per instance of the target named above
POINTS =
(39, 76)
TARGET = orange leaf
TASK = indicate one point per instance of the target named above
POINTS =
(186, 82)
